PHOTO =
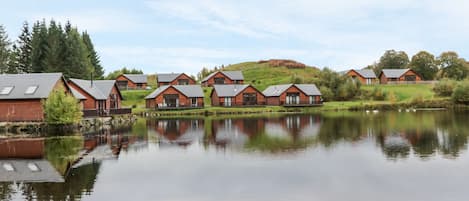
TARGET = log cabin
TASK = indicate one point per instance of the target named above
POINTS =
(223, 77)
(176, 96)
(132, 81)
(399, 76)
(230, 95)
(293, 95)
(174, 79)
(21, 95)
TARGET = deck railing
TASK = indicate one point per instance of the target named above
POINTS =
(105, 113)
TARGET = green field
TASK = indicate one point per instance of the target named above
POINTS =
(405, 92)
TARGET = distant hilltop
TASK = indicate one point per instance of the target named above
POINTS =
(283, 62)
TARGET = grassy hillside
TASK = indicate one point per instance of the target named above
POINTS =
(263, 75)
(405, 92)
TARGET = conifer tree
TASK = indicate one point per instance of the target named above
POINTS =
(4, 50)
(39, 46)
(23, 54)
(76, 62)
(98, 71)
(53, 60)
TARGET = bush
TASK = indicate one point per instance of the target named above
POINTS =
(392, 97)
(444, 87)
(62, 108)
(461, 93)
(418, 99)
(327, 94)
(378, 94)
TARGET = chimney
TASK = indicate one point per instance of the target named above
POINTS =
(91, 80)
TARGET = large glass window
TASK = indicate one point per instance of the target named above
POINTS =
(219, 80)
(249, 99)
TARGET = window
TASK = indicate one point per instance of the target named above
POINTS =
(219, 80)
(249, 99)
(139, 85)
(8, 167)
(227, 101)
(33, 167)
(293, 98)
(183, 82)
(6, 90)
(30, 90)
(194, 102)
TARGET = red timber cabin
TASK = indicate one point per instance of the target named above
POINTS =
(102, 97)
(21, 95)
(131, 81)
(223, 77)
(236, 95)
(176, 96)
(399, 76)
(293, 95)
(174, 79)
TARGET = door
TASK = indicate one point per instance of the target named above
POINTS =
(293, 98)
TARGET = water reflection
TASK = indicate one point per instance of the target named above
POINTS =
(70, 166)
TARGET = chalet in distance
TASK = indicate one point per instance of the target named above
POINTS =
(132, 81)
(103, 97)
(176, 96)
(174, 79)
(236, 95)
(223, 77)
(399, 76)
(21, 95)
(293, 95)
(365, 76)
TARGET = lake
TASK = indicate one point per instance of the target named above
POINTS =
(329, 156)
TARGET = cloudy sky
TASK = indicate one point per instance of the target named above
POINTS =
(185, 35)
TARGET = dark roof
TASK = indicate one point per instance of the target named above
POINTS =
(45, 83)
(167, 77)
(394, 73)
(277, 90)
(136, 78)
(366, 73)
(188, 90)
(100, 89)
(229, 90)
(234, 75)
(77, 94)
(22, 173)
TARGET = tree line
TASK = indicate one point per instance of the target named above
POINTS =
(50, 47)
(446, 65)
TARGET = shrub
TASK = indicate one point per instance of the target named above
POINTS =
(444, 87)
(392, 97)
(62, 108)
(378, 94)
(417, 99)
(461, 93)
(327, 94)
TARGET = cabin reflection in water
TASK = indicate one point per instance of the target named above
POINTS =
(172, 132)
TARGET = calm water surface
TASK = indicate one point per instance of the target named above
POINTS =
(331, 156)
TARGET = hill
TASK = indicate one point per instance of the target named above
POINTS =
(264, 73)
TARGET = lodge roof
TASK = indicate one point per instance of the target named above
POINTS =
(394, 73)
(234, 75)
(191, 91)
(98, 89)
(229, 90)
(27, 86)
(136, 78)
(167, 77)
(28, 170)
(366, 73)
(277, 90)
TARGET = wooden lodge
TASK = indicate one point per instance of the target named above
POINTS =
(102, 97)
(236, 95)
(223, 77)
(131, 81)
(293, 95)
(364, 76)
(21, 95)
(175, 79)
(176, 96)
(399, 76)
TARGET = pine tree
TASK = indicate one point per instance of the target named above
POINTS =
(4, 50)
(24, 50)
(76, 62)
(13, 65)
(53, 61)
(39, 46)
(98, 72)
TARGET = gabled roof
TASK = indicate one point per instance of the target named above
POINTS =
(234, 75)
(100, 89)
(20, 83)
(23, 173)
(394, 73)
(229, 90)
(277, 90)
(366, 73)
(77, 94)
(168, 77)
(191, 91)
(136, 78)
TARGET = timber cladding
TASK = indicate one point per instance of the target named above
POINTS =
(180, 80)
(238, 99)
(219, 75)
(21, 110)
(183, 100)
